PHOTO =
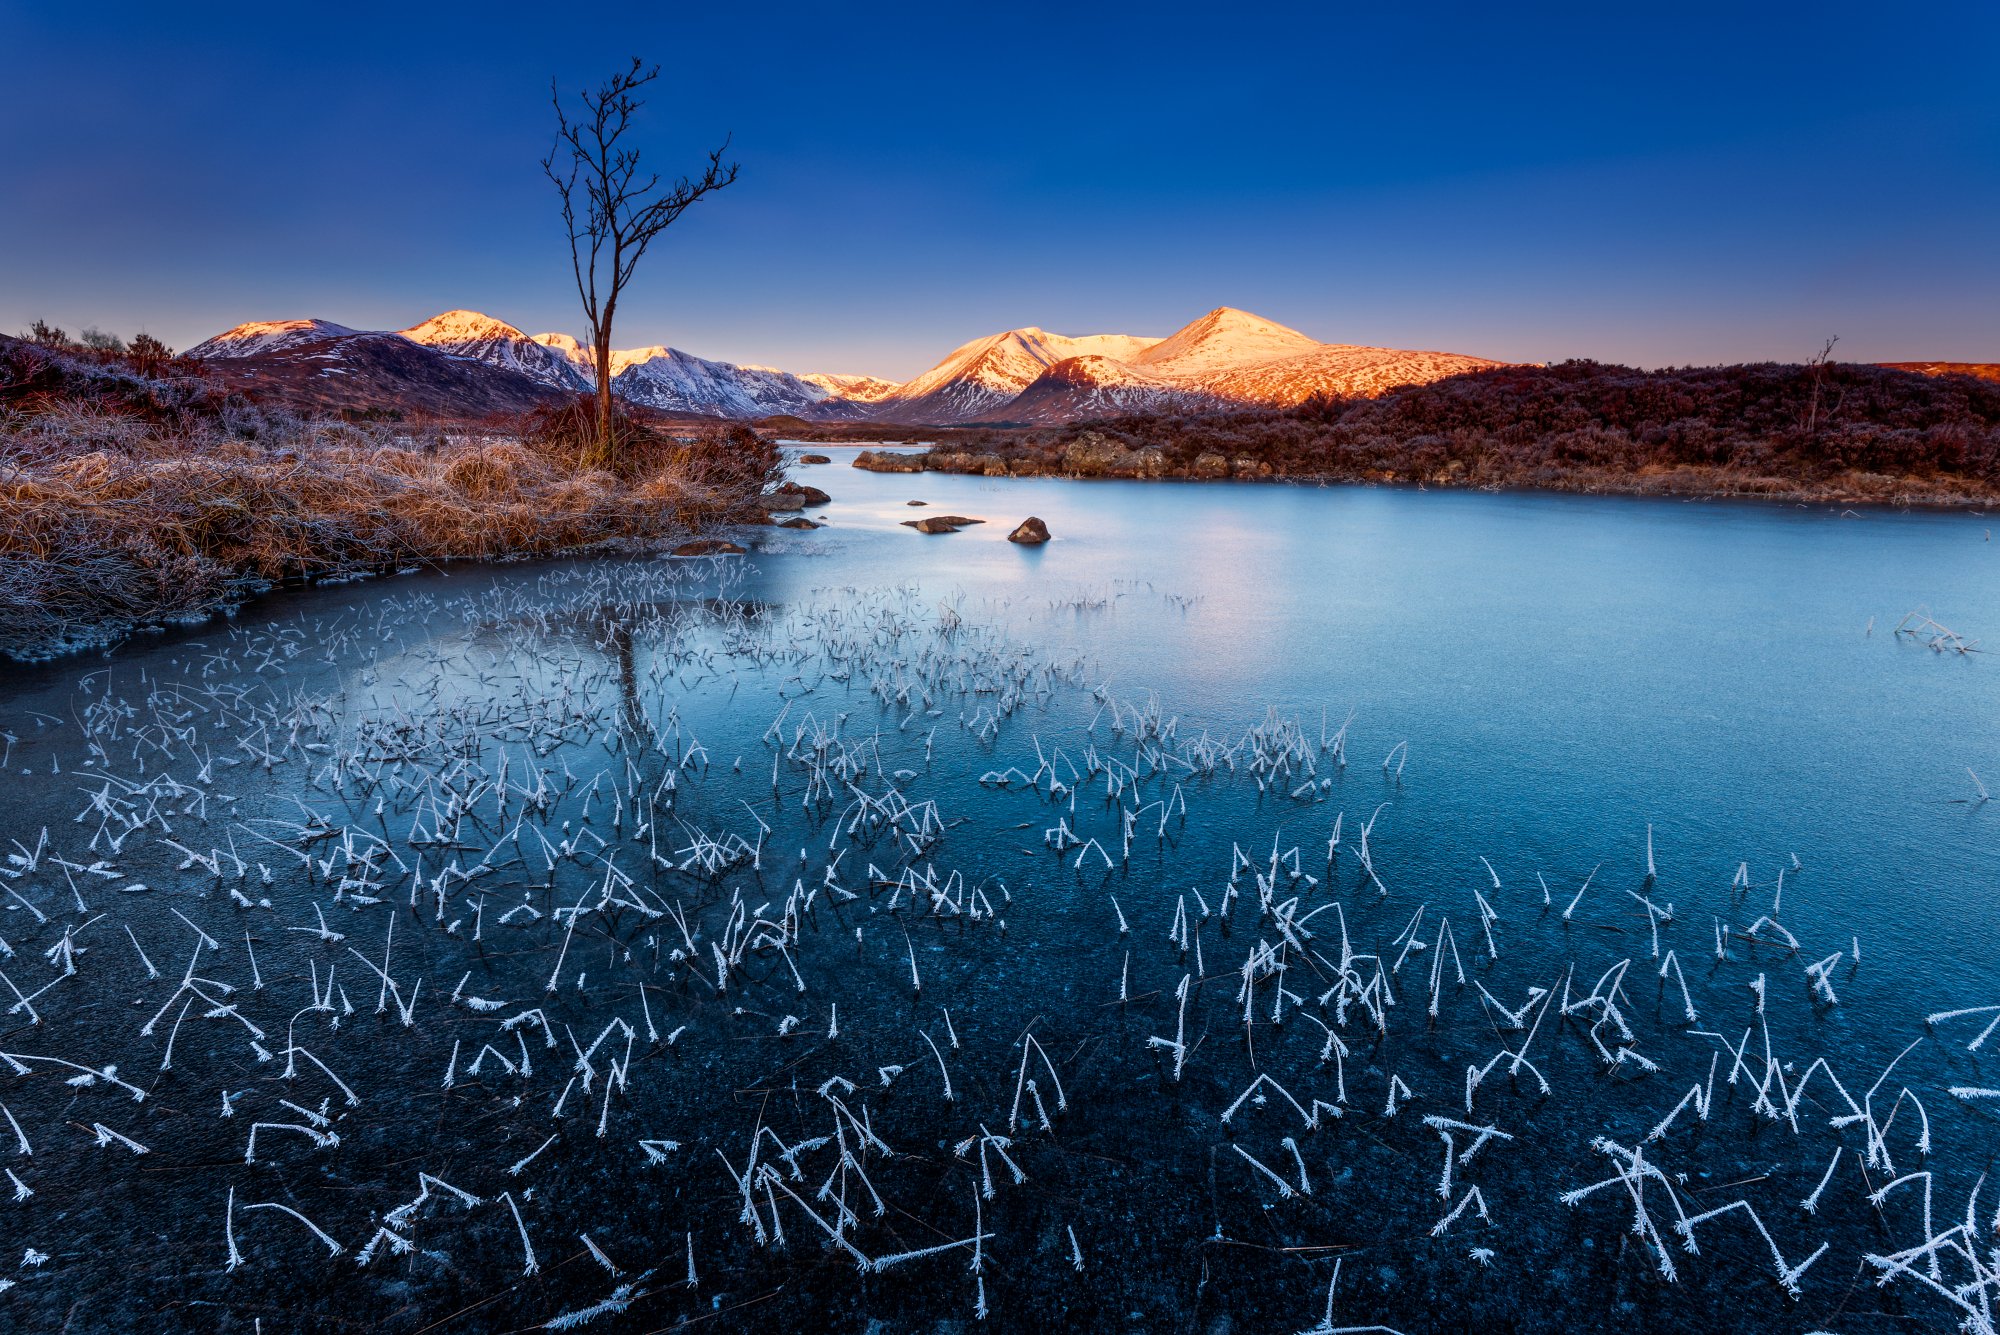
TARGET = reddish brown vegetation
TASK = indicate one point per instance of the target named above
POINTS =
(126, 498)
(1839, 431)
(1977, 370)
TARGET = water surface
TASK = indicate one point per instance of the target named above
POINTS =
(1549, 677)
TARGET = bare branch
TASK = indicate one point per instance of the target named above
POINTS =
(612, 210)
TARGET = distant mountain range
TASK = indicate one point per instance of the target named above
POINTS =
(1227, 357)
(319, 366)
(474, 364)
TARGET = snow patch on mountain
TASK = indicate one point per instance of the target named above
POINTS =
(264, 336)
(567, 345)
(676, 381)
(1097, 386)
(461, 327)
(481, 338)
(853, 388)
(995, 368)
(1226, 357)
(1223, 339)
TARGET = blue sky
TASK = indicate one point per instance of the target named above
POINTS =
(1701, 183)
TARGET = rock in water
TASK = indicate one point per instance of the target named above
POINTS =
(885, 461)
(708, 547)
(940, 523)
(795, 496)
(797, 521)
(815, 459)
(1031, 532)
(808, 495)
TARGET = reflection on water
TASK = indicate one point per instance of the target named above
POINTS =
(882, 928)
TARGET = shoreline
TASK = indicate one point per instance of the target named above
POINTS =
(1678, 484)
(246, 592)
(131, 499)
(108, 637)
(246, 589)
(96, 546)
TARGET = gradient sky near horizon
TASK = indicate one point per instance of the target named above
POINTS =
(1704, 183)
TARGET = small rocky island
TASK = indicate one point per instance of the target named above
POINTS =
(940, 523)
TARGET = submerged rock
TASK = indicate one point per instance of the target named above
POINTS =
(1031, 532)
(708, 547)
(798, 521)
(916, 502)
(940, 523)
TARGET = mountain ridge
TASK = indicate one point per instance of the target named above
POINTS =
(478, 337)
(1225, 357)
(1222, 359)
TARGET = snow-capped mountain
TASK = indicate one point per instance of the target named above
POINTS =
(1226, 358)
(1222, 339)
(524, 368)
(988, 372)
(317, 367)
(1096, 386)
(853, 388)
(481, 338)
(676, 381)
(264, 336)
(579, 354)
(567, 344)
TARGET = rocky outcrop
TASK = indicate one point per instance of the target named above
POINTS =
(959, 461)
(888, 461)
(1093, 454)
(1031, 532)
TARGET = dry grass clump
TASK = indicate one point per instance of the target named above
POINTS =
(491, 471)
(110, 521)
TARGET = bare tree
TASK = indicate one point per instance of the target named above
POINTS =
(612, 210)
(1819, 365)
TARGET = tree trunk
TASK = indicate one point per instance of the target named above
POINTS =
(600, 454)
